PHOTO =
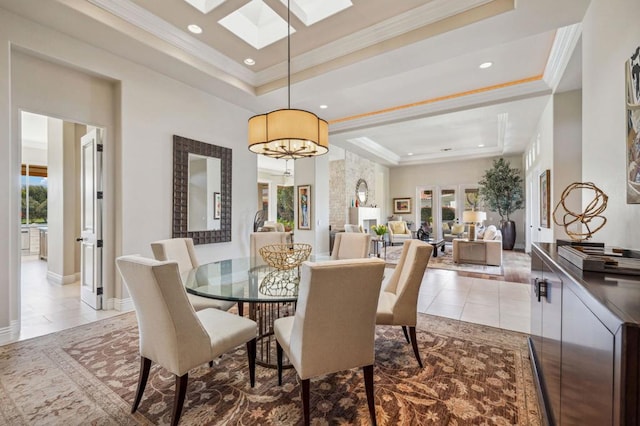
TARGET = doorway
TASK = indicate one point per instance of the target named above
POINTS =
(51, 219)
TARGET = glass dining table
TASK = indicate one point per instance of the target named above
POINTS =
(269, 292)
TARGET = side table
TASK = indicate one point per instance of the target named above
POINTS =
(377, 244)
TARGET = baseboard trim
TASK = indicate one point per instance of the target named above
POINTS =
(63, 280)
(9, 333)
(122, 305)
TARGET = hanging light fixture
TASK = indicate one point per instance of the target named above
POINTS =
(288, 133)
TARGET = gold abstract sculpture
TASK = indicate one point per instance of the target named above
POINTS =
(592, 213)
(285, 256)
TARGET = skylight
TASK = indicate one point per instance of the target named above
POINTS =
(205, 6)
(312, 11)
(257, 24)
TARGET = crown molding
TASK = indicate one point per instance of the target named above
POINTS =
(563, 46)
(147, 21)
(525, 88)
(396, 27)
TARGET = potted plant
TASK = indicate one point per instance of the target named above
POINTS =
(501, 190)
(379, 230)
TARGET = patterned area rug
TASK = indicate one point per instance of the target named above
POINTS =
(445, 261)
(87, 375)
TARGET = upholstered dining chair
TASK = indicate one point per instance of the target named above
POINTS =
(351, 245)
(333, 328)
(182, 251)
(172, 333)
(261, 239)
(398, 303)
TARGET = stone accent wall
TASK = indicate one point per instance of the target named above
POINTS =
(337, 189)
(343, 177)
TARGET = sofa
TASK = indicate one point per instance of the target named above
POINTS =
(398, 231)
(486, 250)
(451, 230)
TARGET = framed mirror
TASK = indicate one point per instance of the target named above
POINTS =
(201, 191)
(362, 192)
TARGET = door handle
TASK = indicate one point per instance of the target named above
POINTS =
(79, 239)
(540, 288)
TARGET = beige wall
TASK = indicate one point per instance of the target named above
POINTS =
(141, 110)
(404, 181)
(610, 35)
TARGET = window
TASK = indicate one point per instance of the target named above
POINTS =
(34, 194)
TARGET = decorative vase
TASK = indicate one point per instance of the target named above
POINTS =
(508, 229)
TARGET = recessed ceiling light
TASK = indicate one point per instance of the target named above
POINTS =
(195, 29)
(409, 153)
(485, 65)
(481, 145)
(249, 61)
(323, 107)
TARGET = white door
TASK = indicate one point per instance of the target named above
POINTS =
(91, 219)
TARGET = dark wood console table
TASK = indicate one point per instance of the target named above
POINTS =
(585, 342)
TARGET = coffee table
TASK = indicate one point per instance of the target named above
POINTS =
(436, 244)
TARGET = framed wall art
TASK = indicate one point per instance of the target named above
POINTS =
(304, 206)
(632, 111)
(401, 205)
(217, 205)
(545, 186)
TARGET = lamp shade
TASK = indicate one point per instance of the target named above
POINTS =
(288, 134)
(472, 216)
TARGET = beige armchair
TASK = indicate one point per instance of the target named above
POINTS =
(352, 228)
(398, 304)
(350, 245)
(271, 226)
(333, 328)
(172, 334)
(182, 251)
(398, 231)
(257, 240)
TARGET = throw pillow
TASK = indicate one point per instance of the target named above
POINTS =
(445, 226)
(397, 227)
(457, 229)
(490, 233)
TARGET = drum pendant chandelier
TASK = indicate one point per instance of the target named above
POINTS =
(288, 133)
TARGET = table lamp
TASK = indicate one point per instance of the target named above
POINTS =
(472, 217)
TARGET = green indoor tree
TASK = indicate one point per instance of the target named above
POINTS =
(501, 189)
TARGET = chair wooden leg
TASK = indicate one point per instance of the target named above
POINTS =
(241, 309)
(368, 384)
(178, 401)
(210, 364)
(406, 336)
(251, 354)
(305, 401)
(414, 343)
(145, 366)
(279, 360)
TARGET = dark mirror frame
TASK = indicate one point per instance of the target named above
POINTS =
(181, 148)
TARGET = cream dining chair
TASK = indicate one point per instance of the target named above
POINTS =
(398, 303)
(351, 245)
(333, 328)
(182, 251)
(257, 240)
(172, 334)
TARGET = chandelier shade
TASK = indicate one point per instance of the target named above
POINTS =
(288, 134)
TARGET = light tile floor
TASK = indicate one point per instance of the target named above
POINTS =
(47, 308)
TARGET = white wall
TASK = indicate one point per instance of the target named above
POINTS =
(141, 110)
(610, 35)
(404, 181)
